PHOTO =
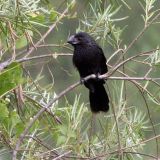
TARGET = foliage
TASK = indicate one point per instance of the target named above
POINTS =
(10, 78)
(20, 19)
(101, 25)
(35, 123)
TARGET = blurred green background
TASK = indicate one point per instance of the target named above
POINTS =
(65, 74)
(62, 68)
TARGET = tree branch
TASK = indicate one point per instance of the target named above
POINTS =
(70, 88)
(9, 61)
(42, 110)
(43, 56)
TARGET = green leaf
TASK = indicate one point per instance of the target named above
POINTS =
(21, 42)
(10, 78)
(3, 111)
(19, 128)
(61, 140)
(63, 130)
(14, 118)
(53, 16)
(38, 18)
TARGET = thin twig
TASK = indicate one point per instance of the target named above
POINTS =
(43, 56)
(9, 61)
(153, 127)
(138, 36)
(42, 110)
(50, 29)
(55, 45)
(57, 119)
(41, 143)
(130, 78)
(118, 133)
(135, 82)
(143, 154)
(125, 148)
(113, 70)
(62, 155)
(105, 76)
(55, 99)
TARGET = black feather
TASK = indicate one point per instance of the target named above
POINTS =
(99, 99)
(89, 59)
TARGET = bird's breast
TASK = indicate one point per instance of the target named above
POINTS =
(85, 62)
(83, 59)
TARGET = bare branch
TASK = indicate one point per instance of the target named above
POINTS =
(43, 56)
(130, 78)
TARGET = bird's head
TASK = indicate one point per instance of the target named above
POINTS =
(80, 38)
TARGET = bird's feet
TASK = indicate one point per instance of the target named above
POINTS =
(82, 80)
(97, 76)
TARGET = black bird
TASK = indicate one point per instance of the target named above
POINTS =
(89, 59)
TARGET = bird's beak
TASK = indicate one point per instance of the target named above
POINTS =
(72, 40)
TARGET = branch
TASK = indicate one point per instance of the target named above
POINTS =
(138, 84)
(129, 78)
(143, 154)
(57, 119)
(62, 155)
(152, 124)
(9, 61)
(55, 45)
(129, 59)
(70, 88)
(4, 64)
(138, 36)
(123, 149)
(43, 56)
(105, 76)
(42, 110)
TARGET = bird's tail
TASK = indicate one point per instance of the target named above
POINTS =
(99, 100)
